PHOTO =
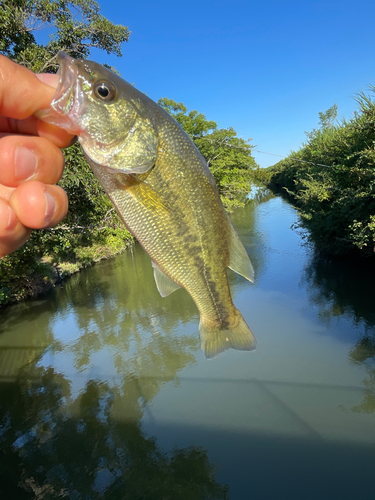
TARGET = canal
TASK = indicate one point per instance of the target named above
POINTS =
(105, 393)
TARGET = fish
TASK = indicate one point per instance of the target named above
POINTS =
(163, 190)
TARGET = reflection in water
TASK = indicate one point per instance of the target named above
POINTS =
(244, 220)
(364, 353)
(75, 383)
(343, 287)
(51, 454)
(117, 308)
(104, 392)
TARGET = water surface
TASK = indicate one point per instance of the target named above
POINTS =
(104, 392)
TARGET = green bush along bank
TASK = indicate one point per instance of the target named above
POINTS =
(331, 180)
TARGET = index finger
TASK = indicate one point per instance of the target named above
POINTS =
(21, 92)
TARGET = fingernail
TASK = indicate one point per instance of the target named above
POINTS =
(12, 219)
(50, 207)
(8, 218)
(26, 163)
(48, 78)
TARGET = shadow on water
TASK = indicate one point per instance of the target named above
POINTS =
(267, 467)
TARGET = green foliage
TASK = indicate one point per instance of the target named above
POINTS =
(328, 118)
(261, 176)
(194, 123)
(23, 275)
(92, 229)
(331, 179)
(75, 26)
(15, 35)
(228, 156)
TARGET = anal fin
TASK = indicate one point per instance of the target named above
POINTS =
(239, 261)
(164, 284)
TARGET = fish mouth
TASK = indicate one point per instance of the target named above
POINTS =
(63, 99)
(62, 112)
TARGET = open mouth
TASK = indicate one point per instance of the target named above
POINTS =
(63, 99)
(62, 112)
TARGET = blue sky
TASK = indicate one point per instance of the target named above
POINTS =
(264, 68)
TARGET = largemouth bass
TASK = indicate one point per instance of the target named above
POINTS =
(162, 189)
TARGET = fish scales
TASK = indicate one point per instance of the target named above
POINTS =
(189, 241)
(163, 190)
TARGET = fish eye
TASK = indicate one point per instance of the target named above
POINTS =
(105, 90)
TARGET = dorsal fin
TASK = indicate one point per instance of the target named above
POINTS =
(239, 261)
(165, 285)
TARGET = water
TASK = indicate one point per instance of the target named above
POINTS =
(104, 392)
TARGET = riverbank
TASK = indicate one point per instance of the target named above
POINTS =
(42, 274)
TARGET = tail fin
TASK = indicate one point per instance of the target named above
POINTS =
(215, 340)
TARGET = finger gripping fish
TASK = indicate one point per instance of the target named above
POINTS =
(162, 189)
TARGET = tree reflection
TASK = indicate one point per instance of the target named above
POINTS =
(94, 355)
(116, 323)
(347, 287)
(116, 333)
(245, 222)
(342, 286)
(49, 452)
(118, 308)
(364, 353)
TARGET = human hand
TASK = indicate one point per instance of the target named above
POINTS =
(30, 159)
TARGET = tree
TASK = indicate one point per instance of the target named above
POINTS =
(195, 124)
(328, 118)
(75, 26)
(229, 158)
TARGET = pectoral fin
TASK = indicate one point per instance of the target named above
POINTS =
(143, 192)
(239, 261)
(164, 284)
